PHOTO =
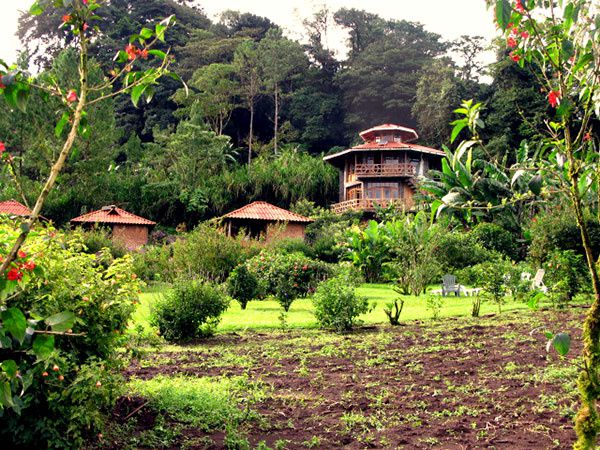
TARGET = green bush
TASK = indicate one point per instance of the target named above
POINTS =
(327, 231)
(99, 238)
(242, 285)
(208, 253)
(495, 238)
(68, 381)
(457, 250)
(336, 304)
(287, 276)
(557, 230)
(190, 310)
(566, 275)
(154, 263)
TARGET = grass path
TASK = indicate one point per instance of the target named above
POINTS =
(265, 314)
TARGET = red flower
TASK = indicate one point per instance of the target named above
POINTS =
(2, 147)
(519, 7)
(22, 254)
(14, 275)
(587, 137)
(85, 26)
(29, 265)
(144, 54)
(72, 96)
(554, 98)
(305, 267)
(524, 34)
(511, 42)
(85, 2)
(66, 18)
(514, 56)
(132, 51)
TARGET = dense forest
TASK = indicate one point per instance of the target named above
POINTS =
(260, 112)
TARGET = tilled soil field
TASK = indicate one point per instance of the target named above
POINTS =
(452, 384)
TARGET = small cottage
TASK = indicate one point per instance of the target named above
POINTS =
(127, 228)
(260, 219)
(14, 208)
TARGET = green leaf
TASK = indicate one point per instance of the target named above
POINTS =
(6, 396)
(61, 321)
(21, 96)
(561, 343)
(160, 32)
(43, 346)
(10, 368)
(136, 93)
(146, 33)
(535, 184)
(159, 53)
(58, 129)
(503, 12)
(36, 9)
(13, 320)
(457, 129)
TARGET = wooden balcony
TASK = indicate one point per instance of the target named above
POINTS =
(385, 170)
(366, 204)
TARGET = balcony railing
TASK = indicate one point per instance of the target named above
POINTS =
(366, 204)
(385, 170)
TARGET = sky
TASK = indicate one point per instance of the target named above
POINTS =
(450, 18)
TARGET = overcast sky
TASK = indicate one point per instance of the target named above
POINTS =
(450, 18)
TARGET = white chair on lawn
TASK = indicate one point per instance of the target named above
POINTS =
(449, 285)
(538, 281)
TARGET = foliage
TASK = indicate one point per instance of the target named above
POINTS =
(492, 277)
(393, 310)
(242, 285)
(336, 304)
(565, 276)
(495, 238)
(208, 253)
(190, 310)
(287, 276)
(434, 303)
(325, 234)
(457, 250)
(97, 239)
(154, 263)
(66, 381)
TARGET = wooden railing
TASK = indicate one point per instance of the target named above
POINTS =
(385, 170)
(365, 204)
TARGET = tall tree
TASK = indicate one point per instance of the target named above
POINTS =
(247, 65)
(280, 59)
(363, 28)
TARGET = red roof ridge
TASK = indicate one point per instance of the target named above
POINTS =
(261, 210)
(15, 208)
(113, 215)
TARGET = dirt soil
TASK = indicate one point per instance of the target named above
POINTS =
(452, 384)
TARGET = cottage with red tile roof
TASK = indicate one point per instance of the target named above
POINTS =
(14, 208)
(266, 220)
(127, 228)
(383, 169)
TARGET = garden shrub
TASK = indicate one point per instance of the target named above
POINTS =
(495, 238)
(70, 380)
(287, 276)
(566, 275)
(492, 276)
(557, 230)
(154, 263)
(190, 310)
(291, 245)
(98, 238)
(327, 231)
(208, 253)
(336, 304)
(458, 250)
(242, 285)
(434, 303)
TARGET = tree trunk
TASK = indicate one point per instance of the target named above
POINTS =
(276, 121)
(58, 165)
(251, 133)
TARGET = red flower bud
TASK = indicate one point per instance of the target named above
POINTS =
(14, 275)
(72, 96)
(554, 98)
(2, 147)
(66, 18)
(56, 368)
(22, 254)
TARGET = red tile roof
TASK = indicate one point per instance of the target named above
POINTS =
(111, 214)
(14, 208)
(266, 211)
(408, 134)
(386, 146)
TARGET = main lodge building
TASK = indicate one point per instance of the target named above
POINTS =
(383, 169)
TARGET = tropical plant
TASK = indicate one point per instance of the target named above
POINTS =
(242, 285)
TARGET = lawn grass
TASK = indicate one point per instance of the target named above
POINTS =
(265, 314)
